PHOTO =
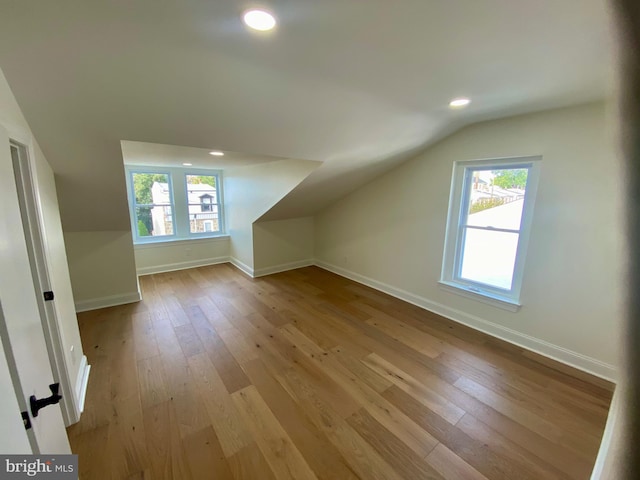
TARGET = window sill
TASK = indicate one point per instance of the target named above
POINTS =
(179, 241)
(485, 297)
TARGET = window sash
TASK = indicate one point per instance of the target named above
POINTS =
(212, 202)
(134, 205)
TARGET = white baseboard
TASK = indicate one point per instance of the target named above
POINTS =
(172, 267)
(555, 352)
(81, 383)
(283, 267)
(241, 266)
(611, 447)
(110, 301)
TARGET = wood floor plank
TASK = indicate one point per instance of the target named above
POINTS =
(85, 445)
(282, 355)
(230, 371)
(144, 336)
(542, 403)
(305, 374)
(405, 333)
(127, 444)
(215, 316)
(223, 414)
(152, 383)
(397, 423)
(205, 456)
(279, 451)
(502, 446)
(249, 463)
(164, 443)
(451, 466)
(434, 401)
(168, 344)
(377, 341)
(320, 454)
(362, 457)
(402, 458)
(335, 331)
(177, 314)
(364, 374)
(521, 415)
(188, 340)
(476, 453)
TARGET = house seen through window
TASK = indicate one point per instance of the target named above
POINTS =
(489, 221)
(174, 203)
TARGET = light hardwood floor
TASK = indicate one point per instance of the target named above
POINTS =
(305, 375)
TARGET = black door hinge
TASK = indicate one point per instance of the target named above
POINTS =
(26, 420)
(48, 296)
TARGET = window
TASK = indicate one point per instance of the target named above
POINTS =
(203, 205)
(152, 204)
(490, 212)
(174, 203)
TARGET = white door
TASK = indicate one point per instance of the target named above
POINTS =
(20, 323)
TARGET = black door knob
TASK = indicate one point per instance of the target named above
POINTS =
(37, 404)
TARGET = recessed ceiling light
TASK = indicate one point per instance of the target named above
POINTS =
(259, 20)
(216, 153)
(459, 102)
(187, 164)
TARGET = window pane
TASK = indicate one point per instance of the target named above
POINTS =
(202, 180)
(155, 220)
(204, 222)
(489, 257)
(202, 198)
(496, 197)
(151, 188)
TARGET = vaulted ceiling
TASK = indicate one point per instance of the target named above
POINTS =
(360, 85)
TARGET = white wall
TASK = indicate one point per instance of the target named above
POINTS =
(249, 192)
(102, 268)
(283, 245)
(12, 119)
(167, 256)
(390, 233)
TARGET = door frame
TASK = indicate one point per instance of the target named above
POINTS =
(33, 225)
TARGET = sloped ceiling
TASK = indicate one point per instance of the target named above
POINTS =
(359, 85)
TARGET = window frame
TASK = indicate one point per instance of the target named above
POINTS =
(456, 228)
(180, 202)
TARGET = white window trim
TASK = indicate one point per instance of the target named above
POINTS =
(449, 281)
(180, 206)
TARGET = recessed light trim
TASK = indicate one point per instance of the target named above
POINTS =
(186, 164)
(460, 102)
(217, 153)
(260, 20)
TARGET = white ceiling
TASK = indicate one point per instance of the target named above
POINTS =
(360, 85)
